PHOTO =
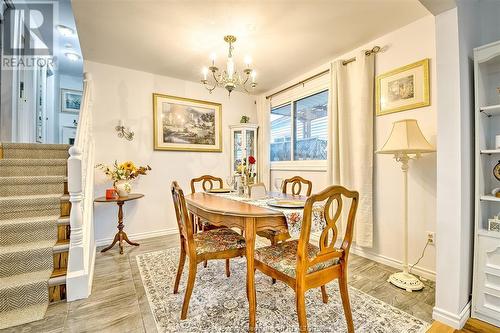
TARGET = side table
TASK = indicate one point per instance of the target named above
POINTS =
(120, 235)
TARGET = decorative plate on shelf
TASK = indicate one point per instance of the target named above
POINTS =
(286, 203)
(219, 190)
(496, 171)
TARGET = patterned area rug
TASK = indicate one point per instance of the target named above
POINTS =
(219, 304)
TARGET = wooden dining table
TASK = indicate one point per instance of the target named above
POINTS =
(221, 211)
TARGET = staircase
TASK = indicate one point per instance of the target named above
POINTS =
(34, 230)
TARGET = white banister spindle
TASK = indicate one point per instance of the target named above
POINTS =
(81, 192)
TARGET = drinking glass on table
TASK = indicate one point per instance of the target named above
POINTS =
(278, 184)
(230, 182)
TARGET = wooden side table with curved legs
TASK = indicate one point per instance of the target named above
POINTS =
(120, 235)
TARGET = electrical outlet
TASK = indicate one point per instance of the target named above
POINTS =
(431, 237)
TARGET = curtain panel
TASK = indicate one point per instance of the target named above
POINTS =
(350, 141)
(263, 119)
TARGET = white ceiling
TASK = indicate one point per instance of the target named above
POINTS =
(284, 38)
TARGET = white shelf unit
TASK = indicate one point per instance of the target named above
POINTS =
(486, 276)
(243, 143)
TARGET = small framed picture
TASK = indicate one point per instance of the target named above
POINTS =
(71, 100)
(404, 88)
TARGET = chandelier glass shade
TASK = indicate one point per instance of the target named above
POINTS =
(229, 78)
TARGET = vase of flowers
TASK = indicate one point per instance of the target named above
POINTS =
(122, 175)
(247, 171)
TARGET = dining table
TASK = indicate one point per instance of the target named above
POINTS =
(225, 211)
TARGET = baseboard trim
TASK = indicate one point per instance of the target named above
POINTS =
(423, 272)
(140, 235)
(452, 319)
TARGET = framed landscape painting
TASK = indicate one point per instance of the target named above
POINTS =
(403, 89)
(186, 124)
(71, 100)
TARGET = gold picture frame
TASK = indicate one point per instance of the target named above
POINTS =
(185, 124)
(404, 88)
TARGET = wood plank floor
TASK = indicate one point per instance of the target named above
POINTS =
(472, 326)
(118, 302)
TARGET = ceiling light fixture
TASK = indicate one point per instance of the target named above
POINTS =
(65, 30)
(73, 56)
(229, 78)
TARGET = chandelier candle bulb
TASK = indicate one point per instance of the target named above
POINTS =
(254, 75)
(229, 78)
(248, 61)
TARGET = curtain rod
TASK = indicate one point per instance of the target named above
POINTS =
(374, 50)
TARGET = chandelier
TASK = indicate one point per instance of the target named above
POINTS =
(229, 78)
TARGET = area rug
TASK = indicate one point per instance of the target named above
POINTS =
(219, 304)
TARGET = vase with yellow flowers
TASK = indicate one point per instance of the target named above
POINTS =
(122, 174)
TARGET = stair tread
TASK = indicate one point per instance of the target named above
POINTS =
(24, 279)
(31, 197)
(31, 179)
(58, 272)
(33, 220)
(33, 161)
(35, 146)
(23, 315)
(25, 247)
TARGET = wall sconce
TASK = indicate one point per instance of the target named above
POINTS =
(124, 132)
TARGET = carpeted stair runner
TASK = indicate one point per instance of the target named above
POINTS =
(32, 180)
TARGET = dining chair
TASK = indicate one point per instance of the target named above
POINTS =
(257, 191)
(223, 243)
(208, 182)
(295, 189)
(302, 265)
(296, 185)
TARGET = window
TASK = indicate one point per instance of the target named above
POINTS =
(281, 133)
(299, 129)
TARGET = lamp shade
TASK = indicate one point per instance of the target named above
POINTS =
(406, 138)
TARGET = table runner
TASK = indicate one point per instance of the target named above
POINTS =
(293, 216)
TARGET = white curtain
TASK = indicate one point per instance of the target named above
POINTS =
(263, 164)
(350, 142)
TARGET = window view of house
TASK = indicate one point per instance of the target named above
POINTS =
(310, 129)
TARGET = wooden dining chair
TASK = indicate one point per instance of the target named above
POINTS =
(208, 182)
(293, 184)
(296, 185)
(223, 243)
(302, 265)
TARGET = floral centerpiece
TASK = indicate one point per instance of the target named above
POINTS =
(247, 170)
(122, 174)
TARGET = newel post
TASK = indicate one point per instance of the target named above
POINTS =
(76, 260)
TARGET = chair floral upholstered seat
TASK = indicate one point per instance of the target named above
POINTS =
(222, 243)
(304, 266)
(283, 257)
(218, 240)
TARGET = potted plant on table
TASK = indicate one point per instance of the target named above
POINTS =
(122, 174)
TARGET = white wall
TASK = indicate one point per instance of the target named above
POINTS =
(409, 44)
(458, 31)
(121, 93)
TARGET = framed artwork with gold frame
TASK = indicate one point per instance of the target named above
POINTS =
(185, 124)
(404, 88)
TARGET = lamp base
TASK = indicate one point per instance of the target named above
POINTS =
(406, 281)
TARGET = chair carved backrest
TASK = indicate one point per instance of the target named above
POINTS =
(207, 183)
(183, 217)
(257, 191)
(332, 211)
(296, 185)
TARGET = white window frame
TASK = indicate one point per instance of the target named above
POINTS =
(310, 88)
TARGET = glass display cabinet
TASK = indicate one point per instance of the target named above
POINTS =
(243, 143)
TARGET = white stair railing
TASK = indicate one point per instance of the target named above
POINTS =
(81, 194)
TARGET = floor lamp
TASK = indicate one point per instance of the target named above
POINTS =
(406, 142)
